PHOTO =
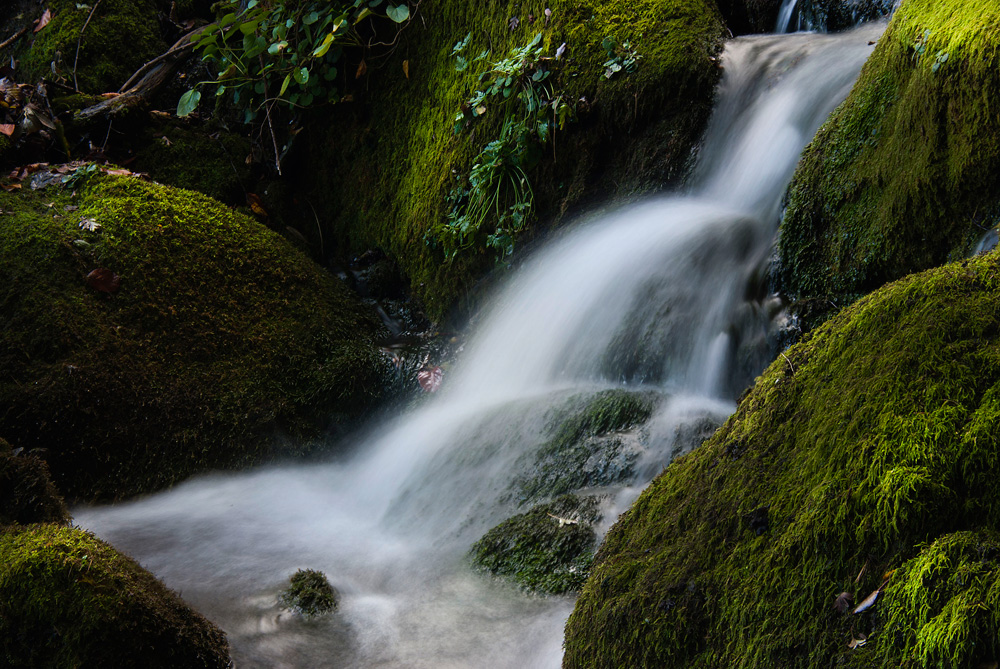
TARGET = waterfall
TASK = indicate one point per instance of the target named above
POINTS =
(664, 295)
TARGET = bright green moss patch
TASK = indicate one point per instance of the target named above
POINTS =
(382, 166)
(901, 177)
(68, 600)
(548, 549)
(873, 448)
(220, 338)
(121, 36)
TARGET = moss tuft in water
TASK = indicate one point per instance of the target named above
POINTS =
(309, 593)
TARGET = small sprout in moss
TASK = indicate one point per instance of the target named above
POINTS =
(309, 593)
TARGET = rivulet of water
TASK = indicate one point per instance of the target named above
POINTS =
(665, 294)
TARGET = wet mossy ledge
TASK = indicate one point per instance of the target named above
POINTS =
(176, 337)
(382, 165)
(67, 600)
(845, 515)
(901, 178)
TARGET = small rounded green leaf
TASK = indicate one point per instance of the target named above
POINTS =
(188, 102)
(398, 13)
(301, 75)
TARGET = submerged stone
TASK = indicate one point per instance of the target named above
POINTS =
(864, 461)
(548, 549)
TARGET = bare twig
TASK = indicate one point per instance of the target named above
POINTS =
(174, 50)
(13, 38)
(79, 40)
(789, 362)
(270, 123)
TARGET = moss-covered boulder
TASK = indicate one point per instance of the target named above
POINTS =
(309, 593)
(121, 36)
(177, 336)
(865, 460)
(548, 549)
(67, 599)
(901, 178)
(27, 494)
(384, 165)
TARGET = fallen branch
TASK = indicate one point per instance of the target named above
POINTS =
(16, 36)
(156, 75)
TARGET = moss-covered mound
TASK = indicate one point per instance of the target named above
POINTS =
(865, 459)
(178, 336)
(548, 549)
(67, 599)
(383, 165)
(120, 37)
(901, 178)
(27, 494)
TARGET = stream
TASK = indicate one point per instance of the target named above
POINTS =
(669, 295)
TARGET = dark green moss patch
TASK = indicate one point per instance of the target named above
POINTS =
(220, 338)
(27, 494)
(901, 177)
(548, 549)
(866, 459)
(309, 593)
(69, 600)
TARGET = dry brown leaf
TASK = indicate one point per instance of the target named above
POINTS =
(256, 205)
(10, 187)
(362, 69)
(406, 69)
(104, 280)
(857, 643)
(430, 378)
(843, 602)
(6, 129)
(44, 21)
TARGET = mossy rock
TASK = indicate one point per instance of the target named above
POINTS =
(836, 15)
(548, 549)
(309, 593)
(27, 494)
(900, 178)
(122, 35)
(591, 443)
(382, 166)
(67, 599)
(864, 459)
(220, 341)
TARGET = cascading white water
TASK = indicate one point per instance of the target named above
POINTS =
(654, 295)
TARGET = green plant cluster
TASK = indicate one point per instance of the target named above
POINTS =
(309, 593)
(287, 52)
(900, 178)
(549, 549)
(69, 600)
(863, 462)
(621, 57)
(220, 337)
(495, 199)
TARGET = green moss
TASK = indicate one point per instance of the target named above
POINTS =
(27, 494)
(586, 447)
(221, 337)
(870, 439)
(121, 36)
(309, 593)
(539, 550)
(900, 178)
(68, 599)
(382, 166)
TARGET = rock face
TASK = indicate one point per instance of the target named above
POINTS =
(67, 599)
(901, 178)
(150, 333)
(384, 165)
(861, 468)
